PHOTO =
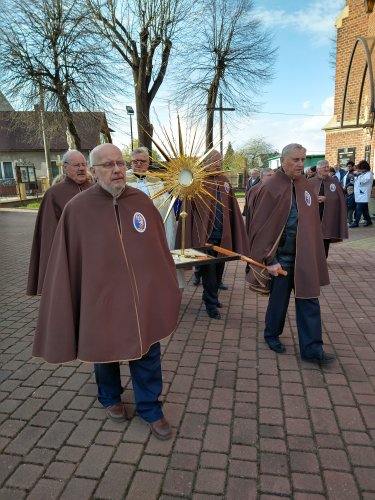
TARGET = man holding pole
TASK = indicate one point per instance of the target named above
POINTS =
(285, 231)
(216, 220)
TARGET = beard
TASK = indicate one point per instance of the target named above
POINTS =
(113, 190)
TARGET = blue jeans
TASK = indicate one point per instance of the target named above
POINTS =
(146, 379)
(307, 316)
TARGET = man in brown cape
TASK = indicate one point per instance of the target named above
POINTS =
(103, 298)
(51, 207)
(217, 222)
(332, 205)
(284, 231)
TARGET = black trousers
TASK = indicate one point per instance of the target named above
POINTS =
(212, 275)
(362, 209)
(326, 246)
(307, 315)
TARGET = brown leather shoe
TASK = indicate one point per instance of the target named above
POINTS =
(117, 412)
(161, 429)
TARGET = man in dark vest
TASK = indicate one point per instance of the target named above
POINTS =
(216, 220)
(285, 231)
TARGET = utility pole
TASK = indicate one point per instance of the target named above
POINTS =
(221, 109)
(45, 138)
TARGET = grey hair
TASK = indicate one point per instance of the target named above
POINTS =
(321, 163)
(66, 155)
(140, 150)
(265, 170)
(289, 147)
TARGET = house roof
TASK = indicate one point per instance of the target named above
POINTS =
(4, 103)
(15, 131)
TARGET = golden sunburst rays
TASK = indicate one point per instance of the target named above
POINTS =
(185, 174)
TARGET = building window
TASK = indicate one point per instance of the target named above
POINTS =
(8, 170)
(55, 169)
(344, 155)
(368, 153)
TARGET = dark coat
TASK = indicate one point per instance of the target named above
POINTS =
(269, 211)
(103, 298)
(50, 210)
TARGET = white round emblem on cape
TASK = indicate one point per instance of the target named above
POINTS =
(332, 187)
(226, 187)
(139, 222)
(307, 198)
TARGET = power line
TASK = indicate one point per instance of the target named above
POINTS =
(255, 112)
(286, 114)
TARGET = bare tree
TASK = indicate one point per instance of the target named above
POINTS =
(257, 151)
(230, 53)
(142, 32)
(48, 54)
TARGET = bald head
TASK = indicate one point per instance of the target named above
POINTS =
(109, 167)
(101, 151)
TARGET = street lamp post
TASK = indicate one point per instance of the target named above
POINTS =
(130, 112)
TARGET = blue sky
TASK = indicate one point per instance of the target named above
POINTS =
(303, 82)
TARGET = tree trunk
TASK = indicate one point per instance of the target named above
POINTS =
(68, 117)
(210, 129)
(211, 104)
(144, 126)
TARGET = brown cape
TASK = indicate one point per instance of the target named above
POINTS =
(103, 298)
(334, 220)
(201, 215)
(51, 207)
(269, 211)
(249, 197)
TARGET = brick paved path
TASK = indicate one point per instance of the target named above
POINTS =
(247, 423)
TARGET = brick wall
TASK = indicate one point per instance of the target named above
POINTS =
(358, 23)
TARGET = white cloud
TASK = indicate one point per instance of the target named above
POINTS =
(316, 19)
(306, 105)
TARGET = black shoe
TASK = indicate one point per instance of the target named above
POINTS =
(276, 346)
(219, 305)
(196, 280)
(322, 359)
(222, 286)
(368, 224)
(353, 224)
(214, 313)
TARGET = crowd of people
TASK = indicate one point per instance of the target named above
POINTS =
(356, 182)
(109, 289)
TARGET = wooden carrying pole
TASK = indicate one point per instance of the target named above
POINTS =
(224, 251)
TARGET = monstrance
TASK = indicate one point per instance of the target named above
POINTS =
(185, 176)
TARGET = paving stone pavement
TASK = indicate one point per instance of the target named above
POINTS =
(248, 424)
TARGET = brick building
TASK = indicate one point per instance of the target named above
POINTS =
(350, 132)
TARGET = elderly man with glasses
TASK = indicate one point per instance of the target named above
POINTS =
(75, 180)
(104, 300)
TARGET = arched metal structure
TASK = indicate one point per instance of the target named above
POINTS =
(367, 69)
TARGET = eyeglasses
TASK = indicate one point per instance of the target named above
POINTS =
(111, 164)
(140, 161)
(76, 165)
